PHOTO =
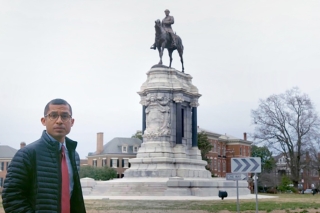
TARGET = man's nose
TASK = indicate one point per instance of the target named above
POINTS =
(59, 120)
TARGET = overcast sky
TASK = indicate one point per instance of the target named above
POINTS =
(95, 55)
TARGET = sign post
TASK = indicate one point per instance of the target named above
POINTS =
(237, 177)
(246, 165)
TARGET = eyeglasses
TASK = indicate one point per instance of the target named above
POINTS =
(54, 116)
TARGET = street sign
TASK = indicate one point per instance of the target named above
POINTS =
(246, 165)
(236, 176)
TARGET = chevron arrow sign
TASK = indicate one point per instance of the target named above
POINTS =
(245, 165)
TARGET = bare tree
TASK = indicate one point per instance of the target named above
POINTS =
(289, 124)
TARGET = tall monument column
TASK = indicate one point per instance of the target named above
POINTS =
(178, 123)
(194, 106)
(143, 118)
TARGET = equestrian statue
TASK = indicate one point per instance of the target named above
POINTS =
(166, 38)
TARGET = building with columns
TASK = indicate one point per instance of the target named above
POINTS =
(225, 147)
(114, 154)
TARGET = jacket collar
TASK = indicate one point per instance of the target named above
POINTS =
(71, 145)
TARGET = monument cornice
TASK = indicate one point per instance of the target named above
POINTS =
(168, 80)
(172, 90)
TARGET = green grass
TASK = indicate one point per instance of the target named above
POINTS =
(251, 205)
(288, 202)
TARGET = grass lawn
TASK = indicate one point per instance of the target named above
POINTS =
(285, 203)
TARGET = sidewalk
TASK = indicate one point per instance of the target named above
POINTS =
(250, 196)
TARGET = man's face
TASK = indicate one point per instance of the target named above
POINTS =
(58, 121)
(166, 12)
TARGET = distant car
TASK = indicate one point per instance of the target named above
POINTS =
(308, 191)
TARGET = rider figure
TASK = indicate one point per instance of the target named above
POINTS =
(166, 24)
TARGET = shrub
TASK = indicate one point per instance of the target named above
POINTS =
(97, 173)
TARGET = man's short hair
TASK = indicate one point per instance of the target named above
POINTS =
(167, 10)
(57, 101)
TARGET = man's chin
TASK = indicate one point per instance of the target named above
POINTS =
(59, 136)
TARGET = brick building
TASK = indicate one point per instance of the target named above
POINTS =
(6, 155)
(114, 154)
(225, 147)
(309, 172)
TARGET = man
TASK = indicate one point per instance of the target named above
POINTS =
(166, 24)
(43, 176)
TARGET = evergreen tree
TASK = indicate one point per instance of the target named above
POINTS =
(204, 145)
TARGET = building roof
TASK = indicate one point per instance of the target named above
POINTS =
(7, 151)
(115, 146)
(227, 137)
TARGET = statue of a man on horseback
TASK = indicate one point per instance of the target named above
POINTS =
(166, 38)
(166, 24)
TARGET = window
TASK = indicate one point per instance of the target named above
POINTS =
(8, 163)
(218, 166)
(135, 149)
(115, 163)
(212, 165)
(104, 161)
(1, 182)
(125, 163)
(240, 151)
(224, 166)
(94, 162)
(215, 163)
(1, 166)
(124, 148)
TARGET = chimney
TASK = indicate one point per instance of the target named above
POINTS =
(307, 157)
(244, 136)
(22, 144)
(99, 142)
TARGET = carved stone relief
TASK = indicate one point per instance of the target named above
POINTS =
(157, 117)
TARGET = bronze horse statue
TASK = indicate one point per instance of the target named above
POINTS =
(164, 40)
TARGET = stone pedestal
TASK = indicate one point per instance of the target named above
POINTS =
(167, 97)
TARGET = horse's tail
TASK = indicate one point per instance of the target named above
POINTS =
(179, 44)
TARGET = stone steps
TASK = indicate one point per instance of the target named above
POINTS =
(125, 189)
(163, 187)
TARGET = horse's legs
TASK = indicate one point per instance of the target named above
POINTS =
(160, 54)
(181, 58)
(161, 49)
(170, 56)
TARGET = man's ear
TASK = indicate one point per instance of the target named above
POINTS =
(72, 122)
(43, 121)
